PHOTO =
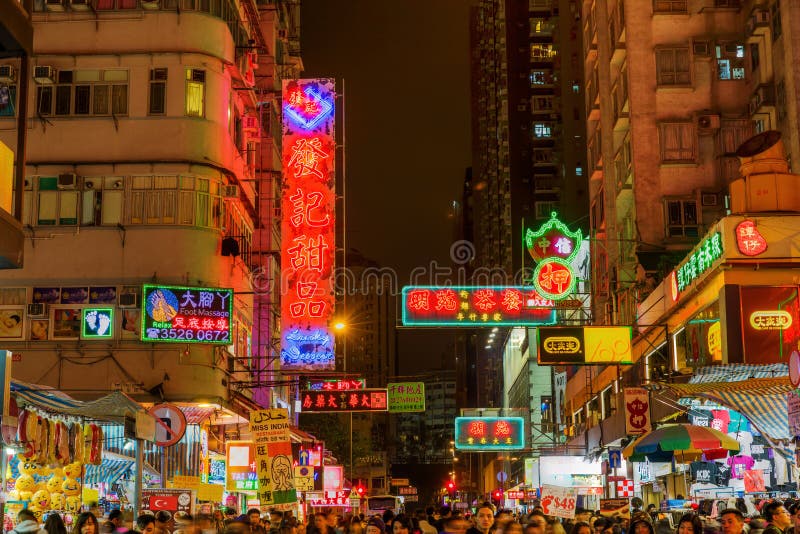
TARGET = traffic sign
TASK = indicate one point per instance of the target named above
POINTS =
(614, 458)
(502, 476)
(170, 424)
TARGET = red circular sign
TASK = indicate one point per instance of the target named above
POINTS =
(170, 424)
(553, 278)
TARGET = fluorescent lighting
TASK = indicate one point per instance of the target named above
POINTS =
(488, 347)
(495, 329)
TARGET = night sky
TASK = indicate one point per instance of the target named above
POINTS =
(406, 68)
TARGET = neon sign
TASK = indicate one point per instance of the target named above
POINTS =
(771, 320)
(97, 323)
(308, 202)
(336, 384)
(356, 400)
(490, 433)
(553, 246)
(475, 305)
(700, 260)
(749, 240)
(178, 314)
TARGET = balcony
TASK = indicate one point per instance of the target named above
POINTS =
(758, 23)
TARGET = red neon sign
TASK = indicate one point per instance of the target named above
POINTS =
(308, 202)
(749, 240)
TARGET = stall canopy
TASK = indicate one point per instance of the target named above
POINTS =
(113, 407)
(758, 392)
(114, 466)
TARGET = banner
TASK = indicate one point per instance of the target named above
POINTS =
(560, 388)
(754, 481)
(637, 411)
(614, 507)
(273, 447)
(793, 404)
(406, 396)
(559, 501)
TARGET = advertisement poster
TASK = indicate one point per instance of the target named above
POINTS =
(406, 396)
(637, 411)
(178, 314)
(240, 474)
(66, 323)
(11, 323)
(274, 465)
(793, 404)
(614, 507)
(770, 323)
(74, 295)
(169, 500)
(559, 501)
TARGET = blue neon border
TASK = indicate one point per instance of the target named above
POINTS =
(462, 324)
(492, 447)
(302, 121)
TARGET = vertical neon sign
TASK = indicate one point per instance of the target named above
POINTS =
(308, 202)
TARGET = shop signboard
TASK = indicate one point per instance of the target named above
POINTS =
(216, 471)
(273, 456)
(637, 411)
(770, 323)
(559, 501)
(407, 490)
(240, 474)
(179, 314)
(615, 507)
(170, 500)
(406, 396)
(587, 345)
(553, 247)
(304, 478)
(515, 494)
(357, 400)
(489, 433)
(97, 323)
(793, 404)
(469, 306)
(336, 384)
(308, 204)
(698, 262)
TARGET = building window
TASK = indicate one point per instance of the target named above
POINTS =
(608, 402)
(195, 92)
(541, 77)
(102, 200)
(55, 206)
(85, 92)
(542, 130)
(44, 99)
(678, 142)
(673, 66)
(8, 100)
(780, 99)
(542, 103)
(579, 170)
(681, 216)
(543, 209)
(775, 18)
(158, 91)
(730, 61)
(542, 52)
(669, 6)
(547, 414)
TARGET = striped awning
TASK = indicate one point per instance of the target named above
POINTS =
(738, 372)
(112, 407)
(114, 467)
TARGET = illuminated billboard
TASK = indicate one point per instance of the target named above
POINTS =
(553, 247)
(308, 202)
(179, 314)
(356, 400)
(587, 345)
(490, 433)
(475, 306)
(770, 325)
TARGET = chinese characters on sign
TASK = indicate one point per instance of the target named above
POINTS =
(308, 202)
(357, 400)
(336, 384)
(590, 345)
(749, 240)
(178, 314)
(769, 330)
(700, 260)
(475, 305)
(406, 396)
(273, 456)
(553, 246)
(637, 411)
(490, 433)
(240, 474)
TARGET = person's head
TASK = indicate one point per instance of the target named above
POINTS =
(55, 525)
(536, 523)
(321, 521)
(641, 524)
(454, 524)
(777, 515)
(581, 527)
(599, 524)
(375, 526)
(554, 526)
(25, 515)
(484, 518)
(512, 527)
(254, 516)
(275, 517)
(86, 524)
(794, 511)
(444, 511)
(582, 515)
(146, 523)
(503, 516)
(732, 521)
(163, 518)
(690, 524)
(402, 524)
(115, 517)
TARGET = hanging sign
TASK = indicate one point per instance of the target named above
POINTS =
(637, 411)
(406, 396)
(358, 400)
(553, 247)
(559, 501)
(749, 240)
(273, 448)
(490, 433)
(170, 424)
(178, 314)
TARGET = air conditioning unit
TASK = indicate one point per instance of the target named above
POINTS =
(8, 74)
(37, 310)
(80, 5)
(54, 5)
(230, 191)
(129, 300)
(44, 75)
(707, 124)
(118, 184)
(89, 183)
(68, 180)
(709, 199)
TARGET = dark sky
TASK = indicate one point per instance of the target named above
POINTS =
(405, 64)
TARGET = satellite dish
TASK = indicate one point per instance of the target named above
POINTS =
(758, 144)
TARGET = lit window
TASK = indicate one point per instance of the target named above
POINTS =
(578, 171)
(195, 92)
(730, 61)
(542, 130)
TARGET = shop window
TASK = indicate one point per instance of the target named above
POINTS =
(699, 342)
(673, 66)
(730, 61)
(657, 364)
(681, 217)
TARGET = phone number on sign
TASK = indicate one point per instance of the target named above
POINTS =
(187, 334)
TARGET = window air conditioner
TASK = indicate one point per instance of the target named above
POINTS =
(37, 309)
(44, 75)
(67, 180)
(709, 199)
(707, 123)
(8, 74)
(88, 184)
(230, 191)
(129, 300)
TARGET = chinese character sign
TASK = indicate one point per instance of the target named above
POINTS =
(553, 247)
(273, 456)
(356, 400)
(177, 314)
(637, 411)
(240, 474)
(702, 258)
(490, 433)
(336, 384)
(749, 240)
(475, 305)
(308, 201)
(406, 396)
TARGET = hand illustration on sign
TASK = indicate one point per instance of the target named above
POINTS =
(282, 473)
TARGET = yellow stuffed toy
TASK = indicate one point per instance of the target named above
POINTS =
(40, 499)
(70, 487)
(25, 485)
(72, 504)
(73, 470)
(57, 501)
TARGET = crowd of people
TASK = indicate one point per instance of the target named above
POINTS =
(776, 518)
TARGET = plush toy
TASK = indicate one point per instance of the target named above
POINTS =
(25, 485)
(73, 504)
(41, 499)
(57, 501)
(71, 487)
(27, 467)
(73, 470)
(37, 512)
(54, 484)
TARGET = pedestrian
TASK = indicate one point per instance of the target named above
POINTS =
(554, 526)
(537, 523)
(484, 517)
(164, 522)
(794, 509)
(403, 524)
(581, 527)
(116, 518)
(146, 523)
(86, 524)
(54, 524)
(375, 525)
(778, 518)
(454, 524)
(26, 523)
(732, 521)
(641, 523)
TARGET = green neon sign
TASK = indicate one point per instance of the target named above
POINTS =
(97, 323)
(700, 260)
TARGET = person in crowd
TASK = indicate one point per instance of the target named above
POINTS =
(513, 527)
(642, 523)
(484, 517)
(758, 525)
(778, 518)
(453, 524)
(537, 523)
(275, 519)
(431, 519)
(54, 525)
(355, 526)
(115, 517)
(732, 521)
(388, 518)
(237, 526)
(146, 523)
(444, 514)
(599, 525)
(554, 526)
(581, 527)
(230, 515)
(375, 525)
(690, 524)
(86, 524)
(164, 522)
(26, 523)
(583, 515)
(403, 524)
(254, 518)
(424, 525)
(794, 510)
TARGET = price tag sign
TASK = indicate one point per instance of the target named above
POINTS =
(558, 501)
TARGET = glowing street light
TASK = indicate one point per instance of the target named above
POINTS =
(339, 325)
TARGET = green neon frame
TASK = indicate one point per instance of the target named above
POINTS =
(543, 292)
(554, 224)
(87, 334)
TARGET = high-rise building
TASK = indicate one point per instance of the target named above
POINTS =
(152, 154)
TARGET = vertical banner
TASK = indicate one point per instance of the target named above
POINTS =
(308, 202)
(560, 387)
(273, 447)
(637, 411)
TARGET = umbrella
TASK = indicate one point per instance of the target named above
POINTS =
(682, 442)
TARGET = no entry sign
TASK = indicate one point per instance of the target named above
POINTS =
(170, 424)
